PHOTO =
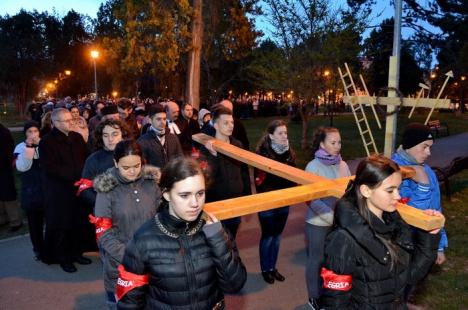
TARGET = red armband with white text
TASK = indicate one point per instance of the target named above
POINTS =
(127, 281)
(336, 282)
(102, 224)
(83, 184)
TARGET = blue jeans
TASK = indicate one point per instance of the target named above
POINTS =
(272, 223)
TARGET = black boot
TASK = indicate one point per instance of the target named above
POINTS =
(268, 277)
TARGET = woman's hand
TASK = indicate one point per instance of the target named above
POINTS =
(433, 213)
(210, 218)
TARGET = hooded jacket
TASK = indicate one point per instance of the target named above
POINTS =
(354, 248)
(421, 196)
(128, 205)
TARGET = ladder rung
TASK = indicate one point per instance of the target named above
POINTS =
(365, 131)
(345, 75)
(348, 86)
(361, 119)
(369, 143)
(358, 107)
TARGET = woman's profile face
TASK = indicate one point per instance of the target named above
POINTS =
(129, 167)
(332, 143)
(187, 198)
(383, 198)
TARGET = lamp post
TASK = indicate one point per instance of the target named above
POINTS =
(94, 56)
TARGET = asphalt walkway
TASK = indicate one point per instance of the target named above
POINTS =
(27, 284)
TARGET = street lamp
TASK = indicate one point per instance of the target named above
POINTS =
(67, 72)
(94, 56)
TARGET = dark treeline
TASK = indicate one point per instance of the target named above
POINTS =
(145, 46)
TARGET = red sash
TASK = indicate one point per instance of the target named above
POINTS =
(102, 224)
(336, 282)
(83, 185)
(127, 281)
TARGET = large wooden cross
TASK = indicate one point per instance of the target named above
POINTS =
(392, 102)
(311, 187)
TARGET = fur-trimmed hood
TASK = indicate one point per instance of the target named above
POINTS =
(108, 180)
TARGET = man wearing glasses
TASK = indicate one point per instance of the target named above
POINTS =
(63, 153)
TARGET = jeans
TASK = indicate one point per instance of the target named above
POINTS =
(315, 236)
(272, 223)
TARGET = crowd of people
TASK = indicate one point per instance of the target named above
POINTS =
(126, 179)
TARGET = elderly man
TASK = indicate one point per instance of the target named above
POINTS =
(172, 112)
(62, 156)
(188, 127)
(158, 144)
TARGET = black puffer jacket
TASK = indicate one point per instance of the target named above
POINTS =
(190, 265)
(353, 248)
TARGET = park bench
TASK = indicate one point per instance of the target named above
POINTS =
(437, 127)
(443, 174)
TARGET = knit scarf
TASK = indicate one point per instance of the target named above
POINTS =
(326, 158)
(279, 148)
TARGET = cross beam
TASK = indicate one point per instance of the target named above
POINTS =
(313, 187)
(395, 101)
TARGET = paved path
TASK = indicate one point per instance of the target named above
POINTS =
(27, 284)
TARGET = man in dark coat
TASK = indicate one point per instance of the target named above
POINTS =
(9, 210)
(188, 127)
(62, 156)
(158, 144)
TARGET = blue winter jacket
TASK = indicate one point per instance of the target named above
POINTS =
(421, 196)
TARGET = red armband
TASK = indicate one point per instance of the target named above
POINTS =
(83, 185)
(127, 281)
(404, 200)
(102, 224)
(336, 282)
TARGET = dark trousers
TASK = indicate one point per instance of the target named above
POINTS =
(60, 246)
(36, 230)
(315, 250)
(272, 223)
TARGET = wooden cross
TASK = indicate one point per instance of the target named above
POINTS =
(312, 187)
(392, 101)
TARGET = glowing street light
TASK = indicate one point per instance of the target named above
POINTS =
(114, 94)
(463, 78)
(94, 56)
(433, 75)
(326, 73)
(67, 72)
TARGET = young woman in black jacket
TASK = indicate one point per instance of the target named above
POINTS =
(182, 258)
(370, 255)
(274, 145)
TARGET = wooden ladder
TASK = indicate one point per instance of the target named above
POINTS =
(358, 112)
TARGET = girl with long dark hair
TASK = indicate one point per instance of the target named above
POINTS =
(274, 145)
(370, 255)
(182, 258)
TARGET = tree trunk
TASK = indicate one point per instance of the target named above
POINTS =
(192, 87)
